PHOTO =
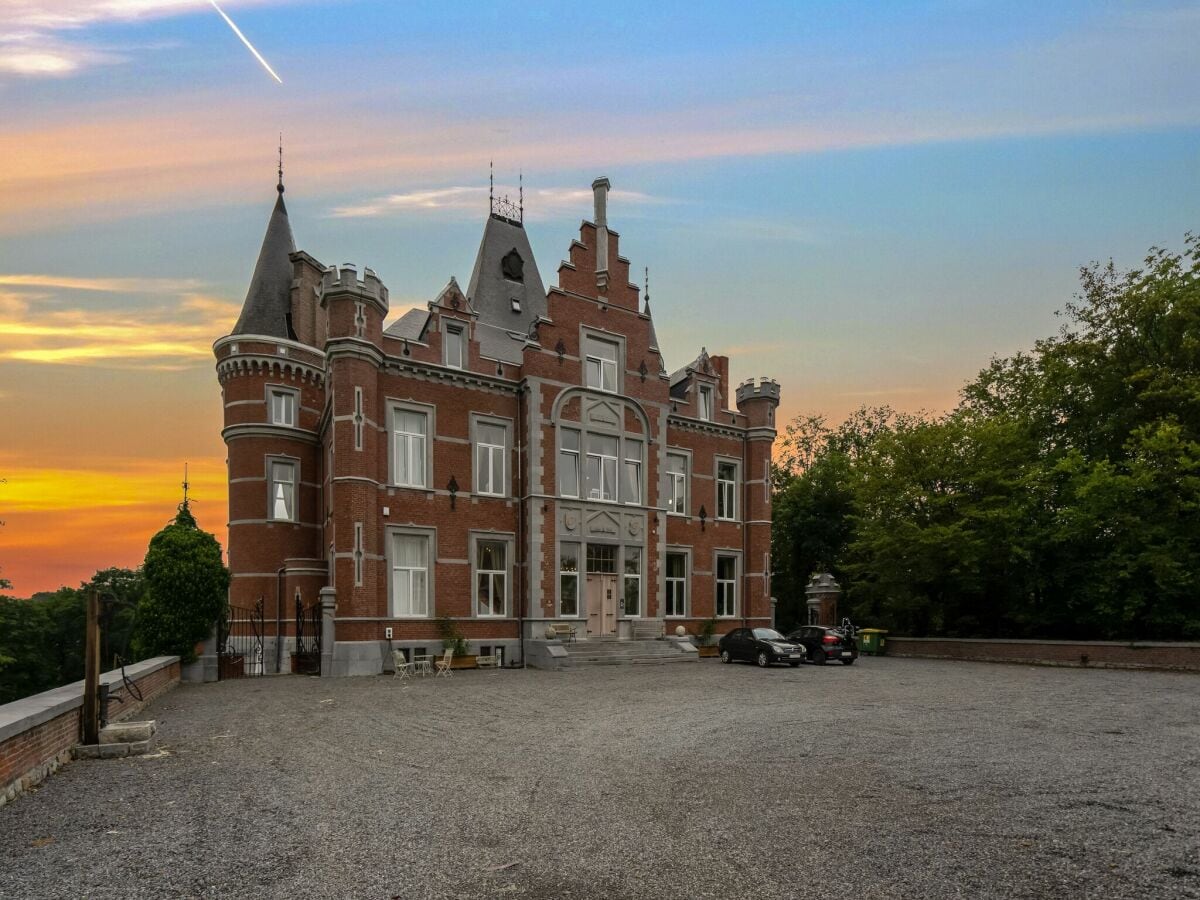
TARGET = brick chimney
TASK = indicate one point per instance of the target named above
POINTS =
(600, 196)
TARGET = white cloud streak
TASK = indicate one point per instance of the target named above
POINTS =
(540, 203)
(246, 41)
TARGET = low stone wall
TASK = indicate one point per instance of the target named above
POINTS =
(1104, 654)
(38, 732)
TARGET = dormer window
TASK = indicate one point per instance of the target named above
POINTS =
(704, 402)
(516, 304)
(455, 349)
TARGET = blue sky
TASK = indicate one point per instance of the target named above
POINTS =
(863, 200)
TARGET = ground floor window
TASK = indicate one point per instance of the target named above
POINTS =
(676, 584)
(726, 586)
(568, 580)
(633, 581)
(491, 578)
(410, 575)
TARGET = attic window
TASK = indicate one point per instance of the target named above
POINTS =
(512, 266)
(516, 304)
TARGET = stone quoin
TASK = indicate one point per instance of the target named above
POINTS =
(507, 456)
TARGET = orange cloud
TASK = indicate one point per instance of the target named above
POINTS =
(172, 335)
(105, 515)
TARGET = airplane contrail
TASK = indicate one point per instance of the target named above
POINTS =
(249, 46)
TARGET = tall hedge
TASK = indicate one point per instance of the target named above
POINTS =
(187, 585)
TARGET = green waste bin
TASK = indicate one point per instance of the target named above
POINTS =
(872, 641)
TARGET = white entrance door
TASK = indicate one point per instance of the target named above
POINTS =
(602, 604)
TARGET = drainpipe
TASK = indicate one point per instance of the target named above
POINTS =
(279, 619)
(745, 549)
(522, 579)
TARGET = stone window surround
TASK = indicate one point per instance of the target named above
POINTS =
(509, 539)
(430, 533)
(430, 411)
(588, 331)
(686, 453)
(507, 424)
(737, 488)
(686, 553)
(736, 555)
(583, 430)
(451, 327)
(294, 462)
(271, 390)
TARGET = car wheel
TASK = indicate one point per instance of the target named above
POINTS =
(819, 657)
(726, 657)
(847, 662)
(763, 659)
(794, 665)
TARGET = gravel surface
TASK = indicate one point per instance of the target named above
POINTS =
(891, 778)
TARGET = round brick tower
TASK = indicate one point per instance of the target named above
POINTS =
(272, 388)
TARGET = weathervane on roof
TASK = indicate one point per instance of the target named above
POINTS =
(279, 186)
(647, 290)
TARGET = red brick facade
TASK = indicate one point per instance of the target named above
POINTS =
(365, 392)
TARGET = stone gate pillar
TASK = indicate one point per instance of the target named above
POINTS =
(822, 594)
(328, 606)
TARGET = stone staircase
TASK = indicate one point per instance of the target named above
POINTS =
(607, 652)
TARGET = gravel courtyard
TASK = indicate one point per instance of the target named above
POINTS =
(891, 778)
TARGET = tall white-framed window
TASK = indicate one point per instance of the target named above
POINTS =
(602, 467)
(726, 586)
(409, 441)
(568, 580)
(726, 491)
(282, 491)
(283, 407)
(677, 484)
(704, 402)
(455, 346)
(676, 576)
(631, 486)
(490, 450)
(632, 594)
(600, 363)
(491, 578)
(568, 463)
(410, 575)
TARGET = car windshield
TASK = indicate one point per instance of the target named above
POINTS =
(768, 634)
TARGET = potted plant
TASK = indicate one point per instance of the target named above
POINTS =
(704, 638)
(452, 639)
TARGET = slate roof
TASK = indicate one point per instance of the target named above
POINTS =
(410, 326)
(500, 329)
(269, 299)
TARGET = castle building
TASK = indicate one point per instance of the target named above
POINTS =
(507, 457)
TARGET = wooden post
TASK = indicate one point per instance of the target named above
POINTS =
(91, 674)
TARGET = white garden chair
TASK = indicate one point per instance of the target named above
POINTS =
(403, 667)
(443, 664)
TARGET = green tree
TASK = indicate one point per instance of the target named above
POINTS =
(186, 589)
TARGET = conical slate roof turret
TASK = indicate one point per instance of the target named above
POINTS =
(268, 305)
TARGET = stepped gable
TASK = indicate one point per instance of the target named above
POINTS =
(268, 306)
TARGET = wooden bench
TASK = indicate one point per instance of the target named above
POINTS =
(487, 662)
(562, 629)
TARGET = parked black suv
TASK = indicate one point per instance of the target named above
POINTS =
(826, 643)
(762, 645)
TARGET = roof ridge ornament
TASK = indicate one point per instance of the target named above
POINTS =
(279, 185)
(503, 207)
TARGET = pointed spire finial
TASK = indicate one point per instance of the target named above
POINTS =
(279, 186)
(185, 484)
(521, 194)
(491, 186)
(647, 291)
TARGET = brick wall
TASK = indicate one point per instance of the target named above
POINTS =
(1105, 654)
(38, 732)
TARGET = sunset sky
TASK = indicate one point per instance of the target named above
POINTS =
(864, 200)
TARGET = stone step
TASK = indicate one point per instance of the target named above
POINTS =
(586, 662)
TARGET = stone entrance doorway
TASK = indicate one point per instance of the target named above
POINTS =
(602, 605)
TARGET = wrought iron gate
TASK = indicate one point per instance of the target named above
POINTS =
(308, 639)
(240, 642)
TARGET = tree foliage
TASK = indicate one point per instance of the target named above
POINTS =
(186, 589)
(1061, 498)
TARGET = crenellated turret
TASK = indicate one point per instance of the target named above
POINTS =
(757, 401)
(354, 307)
